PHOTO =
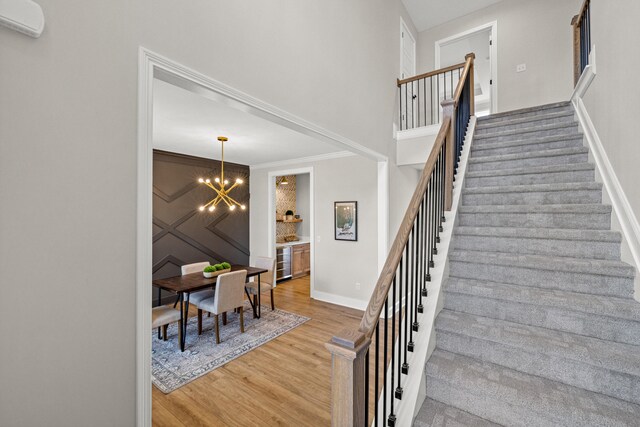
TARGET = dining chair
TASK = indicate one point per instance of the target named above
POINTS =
(267, 280)
(163, 316)
(229, 296)
(196, 297)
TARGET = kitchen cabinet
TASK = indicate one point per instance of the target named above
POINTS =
(301, 260)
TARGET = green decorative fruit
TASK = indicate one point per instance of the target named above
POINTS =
(219, 267)
(226, 265)
(210, 269)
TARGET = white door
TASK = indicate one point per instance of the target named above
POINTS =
(407, 69)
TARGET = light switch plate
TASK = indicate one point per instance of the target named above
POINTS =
(521, 67)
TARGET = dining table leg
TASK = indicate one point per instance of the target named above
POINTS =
(182, 320)
(159, 304)
(259, 303)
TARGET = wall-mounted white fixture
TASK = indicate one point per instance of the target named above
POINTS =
(24, 16)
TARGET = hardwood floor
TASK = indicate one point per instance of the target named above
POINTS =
(283, 382)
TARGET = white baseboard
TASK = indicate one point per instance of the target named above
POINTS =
(340, 300)
(623, 218)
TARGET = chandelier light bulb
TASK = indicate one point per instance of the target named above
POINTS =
(212, 208)
(226, 181)
(208, 181)
(201, 208)
(217, 179)
(239, 181)
(243, 207)
(232, 207)
(200, 180)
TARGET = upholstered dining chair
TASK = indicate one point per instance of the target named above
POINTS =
(163, 316)
(229, 296)
(196, 297)
(267, 280)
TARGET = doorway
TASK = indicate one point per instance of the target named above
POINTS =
(482, 41)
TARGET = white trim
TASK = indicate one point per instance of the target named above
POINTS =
(418, 132)
(493, 25)
(150, 66)
(195, 82)
(299, 160)
(403, 27)
(23, 16)
(271, 220)
(144, 263)
(383, 213)
(627, 220)
(414, 387)
(340, 300)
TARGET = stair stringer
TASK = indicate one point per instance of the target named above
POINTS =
(414, 387)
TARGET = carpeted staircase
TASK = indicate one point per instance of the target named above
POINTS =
(539, 325)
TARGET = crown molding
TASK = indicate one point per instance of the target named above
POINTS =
(299, 160)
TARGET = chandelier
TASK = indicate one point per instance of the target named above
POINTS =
(219, 185)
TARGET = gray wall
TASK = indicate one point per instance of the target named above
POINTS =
(181, 233)
(612, 98)
(68, 132)
(533, 32)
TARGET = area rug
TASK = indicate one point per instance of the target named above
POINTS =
(171, 368)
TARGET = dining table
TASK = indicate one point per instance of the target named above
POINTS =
(186, 284)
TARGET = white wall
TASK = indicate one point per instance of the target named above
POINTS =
(533, 32)
(68, 166)
(303, 206)
(338, 264)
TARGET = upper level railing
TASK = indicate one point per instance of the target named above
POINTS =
(421, 96)
(581, 24)
(370, 364)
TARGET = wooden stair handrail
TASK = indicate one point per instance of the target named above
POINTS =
(348, 347)
(578, 18)
(430, 73)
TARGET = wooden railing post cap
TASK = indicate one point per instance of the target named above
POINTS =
(348, 342)
(470, 55)
(448, 103)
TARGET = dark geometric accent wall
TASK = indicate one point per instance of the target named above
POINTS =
(181, 233)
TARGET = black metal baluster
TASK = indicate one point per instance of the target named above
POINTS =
(406, 110)
(418, 102)
(400, 107)
(451, 77)
(377, 375)
(415, 326)
(423, 258)
(443, 154)
(432, 234)
(398, 392)
(410, 344)
(366, 390)
(384, 366)
(438, 96)
(420, 307)
(413, 100)
(392, 417)
(431, 98)
(429, 226)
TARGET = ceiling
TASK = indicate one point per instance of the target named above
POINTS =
(188, 123)
(427, 14)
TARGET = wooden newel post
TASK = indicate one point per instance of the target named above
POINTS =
(348, 358)
(448, 108)
(472, 101)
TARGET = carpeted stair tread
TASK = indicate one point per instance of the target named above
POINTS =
(589, 315)
(540, 262)
(529, 155)
(540, 109)
(537, 144)
(562, 116)
(586, 208)
(532, 170)
(542, 233)
(558, 128)
(510, 397)
(437, 414)
(623, 358)
(586, 362)
(536, 188)
(618, 308)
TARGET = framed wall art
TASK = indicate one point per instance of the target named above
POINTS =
(346, 221)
